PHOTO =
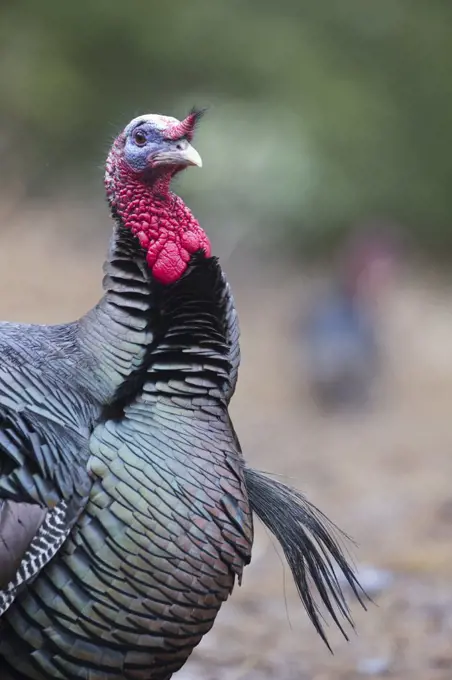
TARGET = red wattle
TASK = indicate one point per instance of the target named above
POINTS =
(164, 226)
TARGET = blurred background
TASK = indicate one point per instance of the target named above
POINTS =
(326, 191)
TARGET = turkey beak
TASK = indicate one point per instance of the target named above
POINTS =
(179, 153)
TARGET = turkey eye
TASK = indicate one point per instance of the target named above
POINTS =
(139, 138)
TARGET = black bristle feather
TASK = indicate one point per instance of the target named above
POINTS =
(198, 113)
(307, 538)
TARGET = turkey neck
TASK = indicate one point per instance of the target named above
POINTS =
(164, 226)
(190, 358)
(189, 348)
(154, 239)
(115, 334)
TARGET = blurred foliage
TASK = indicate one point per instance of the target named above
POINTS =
(322, 113)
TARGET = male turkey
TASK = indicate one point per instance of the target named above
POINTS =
(126, 504)
(340, 332)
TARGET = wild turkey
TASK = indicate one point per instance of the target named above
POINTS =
(342, 352)
(126, 505)
(340, 333)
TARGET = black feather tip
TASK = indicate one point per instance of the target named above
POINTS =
(307, 538)
(198, 113)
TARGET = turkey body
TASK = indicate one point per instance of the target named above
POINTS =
(166, 528)
(125, 502)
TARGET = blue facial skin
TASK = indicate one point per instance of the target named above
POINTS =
(137, 154)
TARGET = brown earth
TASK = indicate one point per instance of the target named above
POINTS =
(383, 475)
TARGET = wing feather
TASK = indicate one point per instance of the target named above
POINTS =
(44, 486)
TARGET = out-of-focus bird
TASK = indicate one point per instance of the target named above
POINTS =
(340, 335)
(125, 502)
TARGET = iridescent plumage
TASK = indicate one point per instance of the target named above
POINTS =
(118, 459)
